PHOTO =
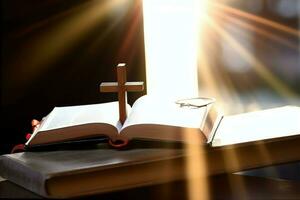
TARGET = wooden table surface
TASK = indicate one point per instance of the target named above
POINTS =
(274, 182)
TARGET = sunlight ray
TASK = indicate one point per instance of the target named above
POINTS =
(52, 19)
(267, 34)
(125, 50)
(258, 19)
(231, 162)
(52, 45)
(196, 168)
(213, 85)
(258, 66)
(171, 31)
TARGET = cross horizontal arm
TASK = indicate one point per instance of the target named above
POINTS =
(109, 87)
(129, 86)
(134, 86)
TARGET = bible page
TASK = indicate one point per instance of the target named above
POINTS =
(60, 117)
(151, 110)
(258, 125)
(79, 120)
(157, 119)
(84, 114)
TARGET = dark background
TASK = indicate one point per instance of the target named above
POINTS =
(34, 79)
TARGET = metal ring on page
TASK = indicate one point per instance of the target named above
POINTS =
(197, 102)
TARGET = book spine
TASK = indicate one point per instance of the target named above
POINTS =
(22, 175)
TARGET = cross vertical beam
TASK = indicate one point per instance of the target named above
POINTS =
(122, 94)
(121, 87)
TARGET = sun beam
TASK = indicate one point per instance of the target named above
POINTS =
(258, 19)
(71, 26)
(171, 36)
(258, 66)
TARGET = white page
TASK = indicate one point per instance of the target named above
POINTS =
(259, 125)
(150, 110)
(76, 115)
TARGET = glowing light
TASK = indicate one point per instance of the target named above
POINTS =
(171, 40)
(258, 66)
(255, 18)
(235, 63)
(261, 31)
(220, 85)
(171, 32)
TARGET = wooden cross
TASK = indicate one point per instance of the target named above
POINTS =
(121, 87)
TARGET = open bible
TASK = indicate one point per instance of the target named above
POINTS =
(163, 120)
(148, 118)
